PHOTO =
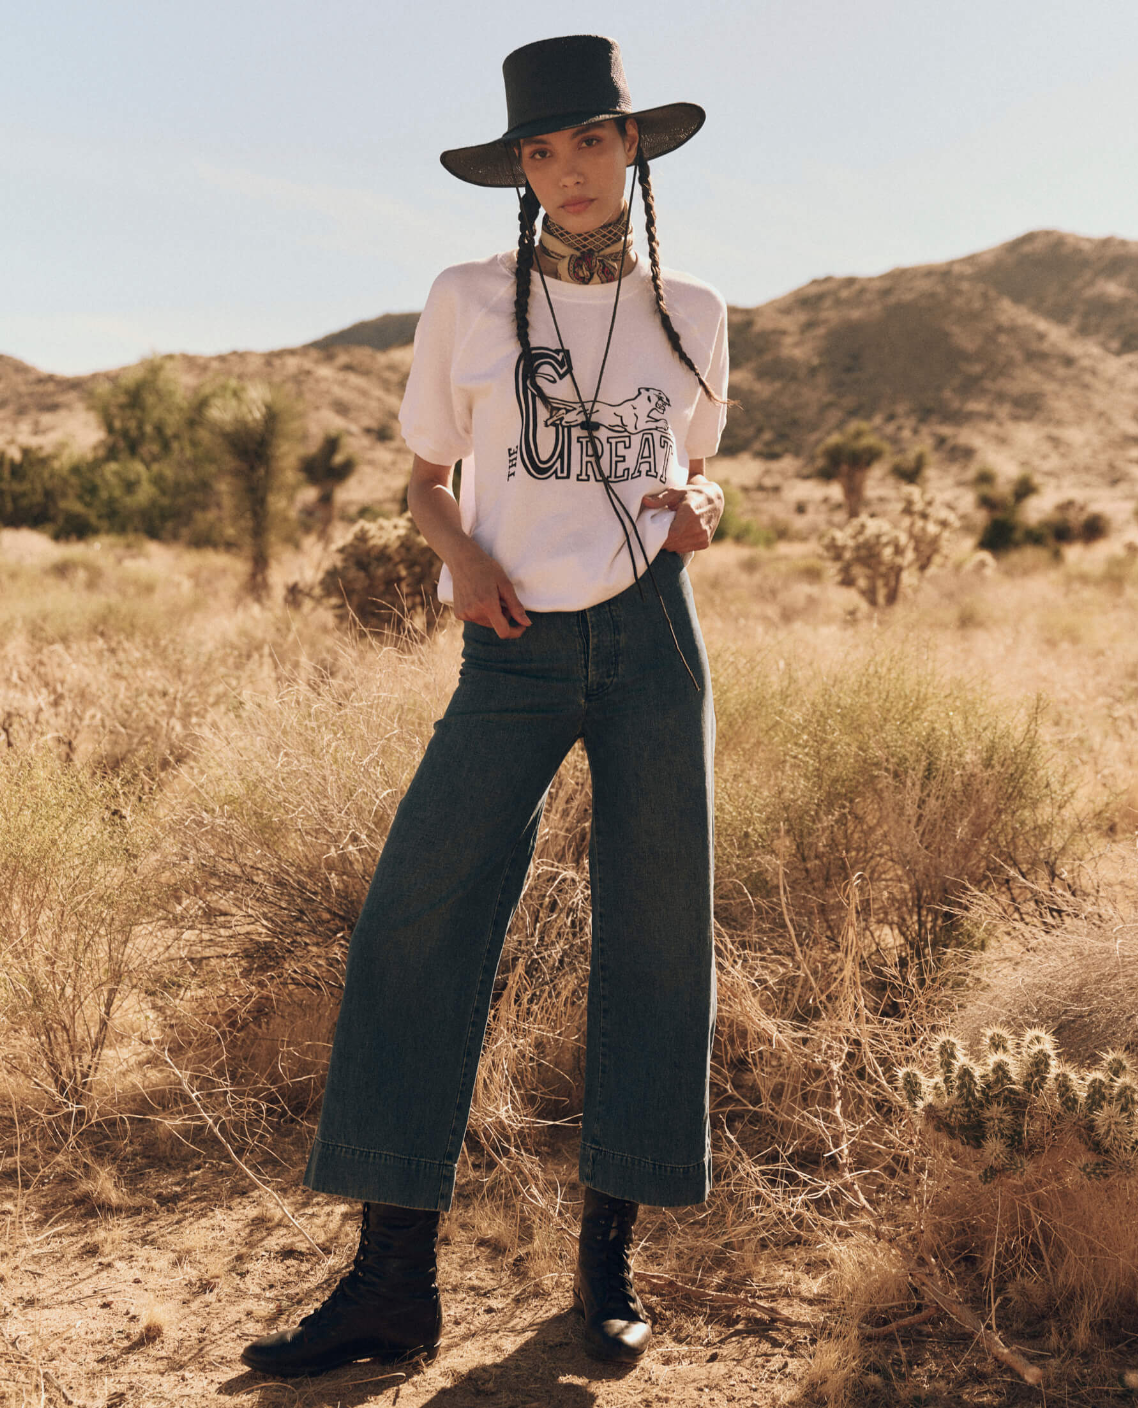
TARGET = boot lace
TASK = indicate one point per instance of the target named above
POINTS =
(607, 1245)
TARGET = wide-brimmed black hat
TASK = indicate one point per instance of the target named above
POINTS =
(557, 83)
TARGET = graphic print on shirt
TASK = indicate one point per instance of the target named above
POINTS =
(633, 436)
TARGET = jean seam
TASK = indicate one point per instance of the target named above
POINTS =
(598, 958)
(615, 618)
(377, 1155)
(655, 1164)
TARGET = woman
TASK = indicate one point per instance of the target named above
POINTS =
(564, 561)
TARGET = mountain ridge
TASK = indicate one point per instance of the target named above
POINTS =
(1022, 356)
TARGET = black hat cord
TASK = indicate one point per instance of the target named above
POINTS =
(590, 427)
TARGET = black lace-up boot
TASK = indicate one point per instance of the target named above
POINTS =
(386, 1307)
(616, 1326)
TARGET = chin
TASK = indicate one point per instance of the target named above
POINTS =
(585, 220)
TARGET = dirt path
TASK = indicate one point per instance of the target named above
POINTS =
(150, 1304)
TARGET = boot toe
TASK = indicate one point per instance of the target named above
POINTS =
(622, 1341)
(288, 1352)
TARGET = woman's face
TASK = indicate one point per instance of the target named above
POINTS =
(578, 174)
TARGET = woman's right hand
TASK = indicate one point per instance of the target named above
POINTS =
(482, 591)
(485, 595)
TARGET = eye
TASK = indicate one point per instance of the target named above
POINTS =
(590, 141)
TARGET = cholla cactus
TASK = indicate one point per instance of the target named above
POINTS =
(1068, 1091)
(928, 521)
(911, 1084)
(1001, 1077)
(996, 1152)
(948, 1057)
(1021, 1098)
(1113, 1131)
(873, 554)
(384, 574)
(997, 1042)
(1125, 1095)
(1036, 1065)
(1094, 1094)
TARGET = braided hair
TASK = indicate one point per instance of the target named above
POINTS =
(529, 208)
(528, 211)
(642, 175)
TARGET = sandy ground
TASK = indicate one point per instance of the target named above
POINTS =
(151, 1304)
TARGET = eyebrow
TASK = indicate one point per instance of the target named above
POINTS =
(573, 132)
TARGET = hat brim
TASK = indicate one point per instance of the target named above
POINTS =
(662, 130)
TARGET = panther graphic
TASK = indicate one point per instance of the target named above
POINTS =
(644, 411)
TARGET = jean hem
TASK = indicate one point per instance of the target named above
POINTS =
(644, 1180)
(375, 1176)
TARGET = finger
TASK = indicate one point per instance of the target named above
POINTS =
(496, 620)
(663, 498)
(513, 605)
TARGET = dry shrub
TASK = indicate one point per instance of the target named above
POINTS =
(78, 894)
(290, 805)
(383, 574)
(882, 769)
(276, 1049)
(834, 1371)
(115, 660)
(1076, 977)
(1051, 1242)
(1030, 1177)
(878, 766)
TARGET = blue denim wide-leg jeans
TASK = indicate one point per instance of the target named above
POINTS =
(425, 950)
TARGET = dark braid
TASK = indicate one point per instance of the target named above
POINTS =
(658, 283)
(528, 209)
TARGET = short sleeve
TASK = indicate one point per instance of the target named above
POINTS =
(709, 418)
(434, 418)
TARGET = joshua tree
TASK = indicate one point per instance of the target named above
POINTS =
(326, 469)
(848, 457)
(258, 428)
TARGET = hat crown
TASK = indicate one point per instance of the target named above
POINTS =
(554, 84)
(563, 78)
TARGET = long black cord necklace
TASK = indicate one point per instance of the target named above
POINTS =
(590, 426)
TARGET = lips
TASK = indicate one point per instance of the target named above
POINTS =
(577, 207)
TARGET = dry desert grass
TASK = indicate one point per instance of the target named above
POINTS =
(896, 790)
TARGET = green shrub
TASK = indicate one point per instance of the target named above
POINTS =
(734, 526)
(33, 487)
(1006, 530)
(910, 468)
(881, 768)
(160, 469)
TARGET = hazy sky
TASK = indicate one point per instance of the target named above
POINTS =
(239, 173)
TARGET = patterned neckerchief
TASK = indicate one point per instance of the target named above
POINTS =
(591, 258)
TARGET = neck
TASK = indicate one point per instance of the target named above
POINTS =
(593, 257)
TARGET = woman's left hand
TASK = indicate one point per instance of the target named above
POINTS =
(698, 506)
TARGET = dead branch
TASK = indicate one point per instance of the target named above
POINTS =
(1030, 1373)
(719, 1300)
(45, 1374)
(880, 1332)
(244, 1167)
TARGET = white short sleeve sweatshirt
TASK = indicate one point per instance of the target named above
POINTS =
(530, 494)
